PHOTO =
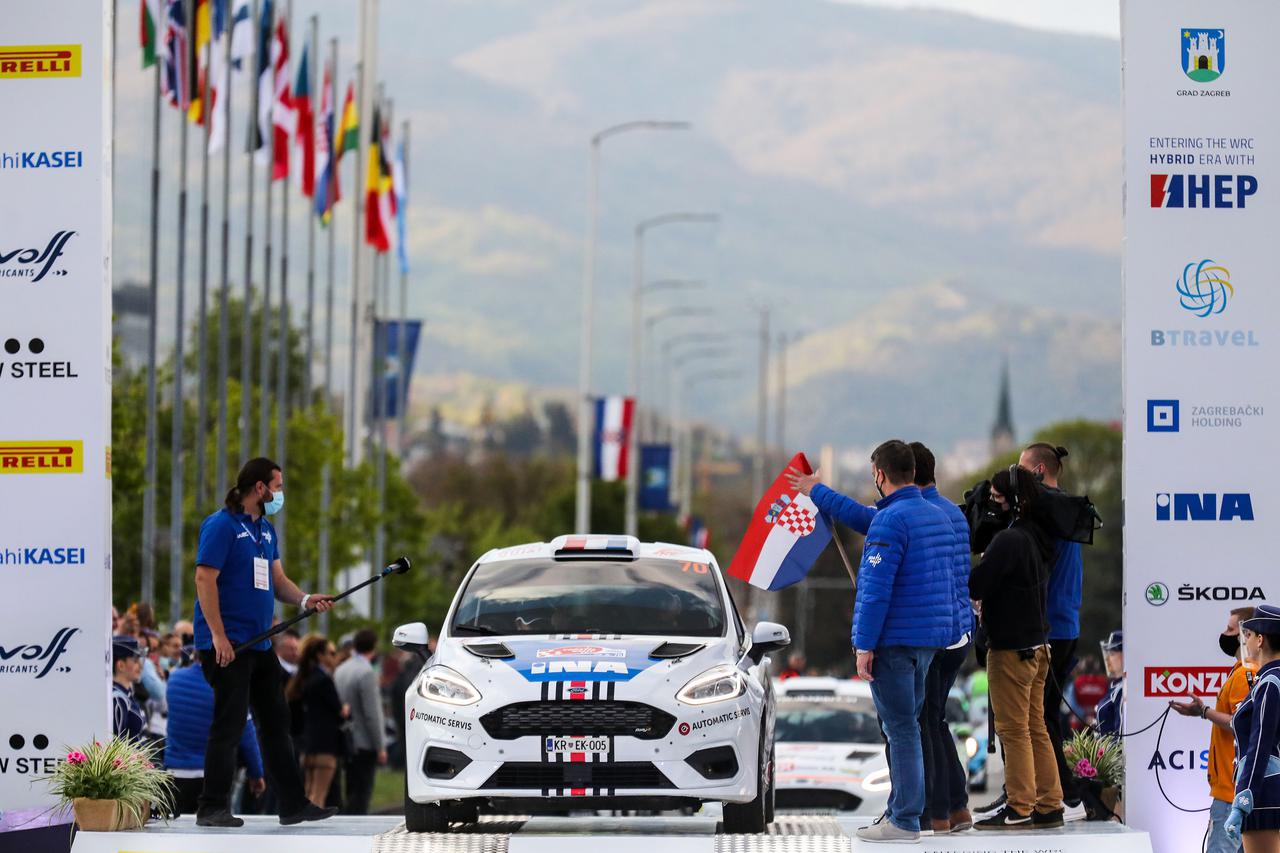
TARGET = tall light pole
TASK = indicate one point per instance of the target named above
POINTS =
(632, 514)
(582, 504)
(762, 407)
(686, 481)
(780, 418)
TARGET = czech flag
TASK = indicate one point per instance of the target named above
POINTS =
(785, 536)
(612, 437)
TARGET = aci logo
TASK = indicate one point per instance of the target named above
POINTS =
(1204, 54)
(42, 457)
(1202, 190)
(39, 60)
(1162, 416)
(1204, 506)
(1205, 287)
(35, 262)
(1157, 594)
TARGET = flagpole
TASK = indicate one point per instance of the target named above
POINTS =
(326, 473)
(312, 87)
(377, 356)
(282, 342)
(383, 309)
(264, 343)
(353, 386)
(153, 287)
(202, 354)
(224, 283)
(175, 442)
(403, 354)
(246, 316)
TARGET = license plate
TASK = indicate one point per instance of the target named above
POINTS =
(570, 745)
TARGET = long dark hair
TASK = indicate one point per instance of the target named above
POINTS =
(255, 471)
(313, 645)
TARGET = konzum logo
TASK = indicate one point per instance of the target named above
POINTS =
(1174, 681)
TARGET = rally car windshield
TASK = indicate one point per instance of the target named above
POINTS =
(646, 596)
(822, 722)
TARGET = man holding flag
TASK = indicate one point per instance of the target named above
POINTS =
(904, 612)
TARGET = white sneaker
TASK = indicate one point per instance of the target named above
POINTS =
(1076, 812)
(885, 832)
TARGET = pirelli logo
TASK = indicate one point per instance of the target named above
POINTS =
(39, 60)
(41, 457)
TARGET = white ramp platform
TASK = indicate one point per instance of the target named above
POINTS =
(696, 834)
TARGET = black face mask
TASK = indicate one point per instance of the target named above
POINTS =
(1230, 644)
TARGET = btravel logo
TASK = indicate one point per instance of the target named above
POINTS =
(1204, 288)
(41, 457)
(1202, 191)
(35, 262)
(1204, 506)
(38, 658)
(39, 60)
(40, 160)
(1166, 416)
(19, 366)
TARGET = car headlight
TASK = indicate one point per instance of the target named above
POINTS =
(441, 684)
(715, 685)
(971, 746)
(878, 781)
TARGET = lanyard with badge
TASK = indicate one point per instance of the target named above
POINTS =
(261, 569)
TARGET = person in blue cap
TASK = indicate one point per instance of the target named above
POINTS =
(1255, 811)
(127, 717)
(1111, 707)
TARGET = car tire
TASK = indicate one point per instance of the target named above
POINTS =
(753, 818)
(770, 803)
(464, 811)
(424, 817)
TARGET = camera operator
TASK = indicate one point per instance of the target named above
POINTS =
(1010, 582)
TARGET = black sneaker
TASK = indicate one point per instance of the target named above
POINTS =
(1046, 820)
(222, 818)
(991, 808)
(1005, 819)
(309, 812)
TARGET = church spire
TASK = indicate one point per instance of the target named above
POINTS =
(1002, 436)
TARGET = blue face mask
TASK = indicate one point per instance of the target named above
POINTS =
(276, 503)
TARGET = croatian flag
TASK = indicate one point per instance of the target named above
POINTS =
(613, 431)
(785, 536)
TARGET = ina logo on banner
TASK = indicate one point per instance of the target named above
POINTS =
(1204, 54)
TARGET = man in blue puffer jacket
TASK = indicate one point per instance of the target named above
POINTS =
(904, 611)
(190, 716)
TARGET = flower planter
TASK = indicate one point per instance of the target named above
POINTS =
(103, 815)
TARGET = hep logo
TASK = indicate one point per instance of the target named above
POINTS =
(684, 728)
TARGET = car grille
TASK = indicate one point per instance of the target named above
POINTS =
(585, 718)
(550, 776)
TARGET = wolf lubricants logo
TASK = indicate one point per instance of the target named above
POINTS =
(41, 457)
(39, 60)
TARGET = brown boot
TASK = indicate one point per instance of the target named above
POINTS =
(959, 821)
(941, 827)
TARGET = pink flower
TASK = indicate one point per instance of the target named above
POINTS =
(76, 757)
(1101, 750)
(117, 763)
(150, 766)
(1085, 770)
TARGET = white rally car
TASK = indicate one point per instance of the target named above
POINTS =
(591, 673)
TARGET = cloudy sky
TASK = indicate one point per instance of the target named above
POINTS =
(1090, 17)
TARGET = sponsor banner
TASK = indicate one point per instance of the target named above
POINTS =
(1201, 144)
(550, 660)
(55, 375)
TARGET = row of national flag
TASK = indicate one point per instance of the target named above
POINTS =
(287, 133)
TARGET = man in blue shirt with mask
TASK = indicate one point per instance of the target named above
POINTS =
(239, 577)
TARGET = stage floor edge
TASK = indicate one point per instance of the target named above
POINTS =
(696, 834)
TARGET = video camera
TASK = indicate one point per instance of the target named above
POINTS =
(1070, 517)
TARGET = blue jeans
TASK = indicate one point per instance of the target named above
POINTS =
(899, 674)
(1218, 841)
(946, 779)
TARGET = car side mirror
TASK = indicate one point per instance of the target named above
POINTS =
(414, 638)
(768, 637)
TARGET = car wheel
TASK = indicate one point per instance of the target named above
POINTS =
(773, 788)
(752, 818)
(424, 817)
(464, 811)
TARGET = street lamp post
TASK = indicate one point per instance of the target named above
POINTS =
(686, 443)
(582, 504)
(632, 514)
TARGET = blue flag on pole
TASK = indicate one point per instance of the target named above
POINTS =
(393, 394)
(655, 477)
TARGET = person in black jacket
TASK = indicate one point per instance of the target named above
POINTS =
(1010, 583)
(323, 714)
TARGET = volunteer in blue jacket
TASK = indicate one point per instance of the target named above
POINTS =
(1062, 609)
(946, 781)
(903, 613)
(1255, 812)
(239, 576)
(187, 732)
